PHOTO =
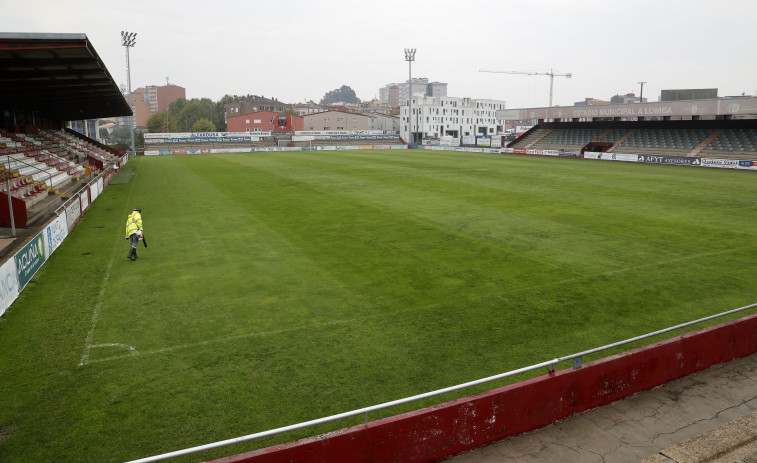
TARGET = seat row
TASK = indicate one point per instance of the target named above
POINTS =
(654, 140)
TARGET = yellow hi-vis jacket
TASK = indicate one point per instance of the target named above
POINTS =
(133, 223)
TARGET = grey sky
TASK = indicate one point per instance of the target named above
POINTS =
(298, 49)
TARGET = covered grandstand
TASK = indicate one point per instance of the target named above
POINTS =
(49, 79)
(720, 131)
(735, 139)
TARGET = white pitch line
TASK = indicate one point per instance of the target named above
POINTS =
(88, 343)
(241, 336)
(133, 352)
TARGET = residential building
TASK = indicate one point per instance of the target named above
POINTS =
(374, 106)
(303, 109)
(264, 121)
(384, 122)
(421, 86)
(435, 117)
(626, 99)
(148, 100)
(167, 94)
(254, 104)
(337, 120)
(591, 102)
(436, 89)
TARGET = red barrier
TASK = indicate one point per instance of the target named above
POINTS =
(19, 211)
(451, 428)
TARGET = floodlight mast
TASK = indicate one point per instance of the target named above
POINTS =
(551, 75)
(641, 95)
(410, 57)
(128, 39)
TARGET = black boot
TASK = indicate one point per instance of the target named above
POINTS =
(135, 254)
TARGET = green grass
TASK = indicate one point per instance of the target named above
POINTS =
(284, 287)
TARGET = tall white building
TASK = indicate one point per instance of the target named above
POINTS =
(435, 117)
(421, 86)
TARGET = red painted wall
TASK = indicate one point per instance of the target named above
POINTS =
(19, 211)
(435, 433)
(240, 124)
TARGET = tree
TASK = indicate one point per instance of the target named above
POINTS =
(341, 95)
(219, 119)
(187, 112)
(202, 125)
(121, 135)
(157, 123)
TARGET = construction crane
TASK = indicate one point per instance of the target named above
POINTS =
(551, 75)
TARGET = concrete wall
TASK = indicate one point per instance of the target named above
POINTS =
(451, 428)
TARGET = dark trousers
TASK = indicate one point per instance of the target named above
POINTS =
(134, 241)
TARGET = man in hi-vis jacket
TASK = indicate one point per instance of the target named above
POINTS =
(134, 231)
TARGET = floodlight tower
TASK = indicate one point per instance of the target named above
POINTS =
(410, 57)
(551, 75)
(127, 40)
(641, 94)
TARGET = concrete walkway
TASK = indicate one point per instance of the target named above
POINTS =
(691, 416)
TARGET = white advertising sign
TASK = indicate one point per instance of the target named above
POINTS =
(8, 285)
(93, 193)
(55, 232)
(73, 212)
(619, 157)
(722, 163)
(84, 197)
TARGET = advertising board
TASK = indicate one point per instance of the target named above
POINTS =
(73, 212)
(29, 259)
(483, 140)
(721, 163)
(84, 198)
(55, 232)
(677, 160)
(618, 157)
(8, 285)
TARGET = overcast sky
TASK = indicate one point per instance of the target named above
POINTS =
(298, 50)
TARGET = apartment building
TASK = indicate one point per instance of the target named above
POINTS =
(435, 117)
(396, 94)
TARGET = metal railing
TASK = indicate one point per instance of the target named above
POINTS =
(551, 364)
(8, 160)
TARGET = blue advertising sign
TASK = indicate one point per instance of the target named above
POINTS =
(30, 259)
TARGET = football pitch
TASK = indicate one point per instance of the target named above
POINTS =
(287, 286)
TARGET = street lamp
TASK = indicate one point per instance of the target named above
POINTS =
(410, 57)
(127, 40)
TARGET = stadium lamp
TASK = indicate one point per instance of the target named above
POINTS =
(410, 57)
(127, 40)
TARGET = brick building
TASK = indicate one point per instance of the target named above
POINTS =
(255, 103)
(337, 120)
(264, 121)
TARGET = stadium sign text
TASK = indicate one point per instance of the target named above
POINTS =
(680, 160)
(631, 111)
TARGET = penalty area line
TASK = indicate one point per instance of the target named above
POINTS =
(133, 352)
(88, 346)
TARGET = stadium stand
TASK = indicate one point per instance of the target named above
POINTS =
(41, 161)
(729, 139)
